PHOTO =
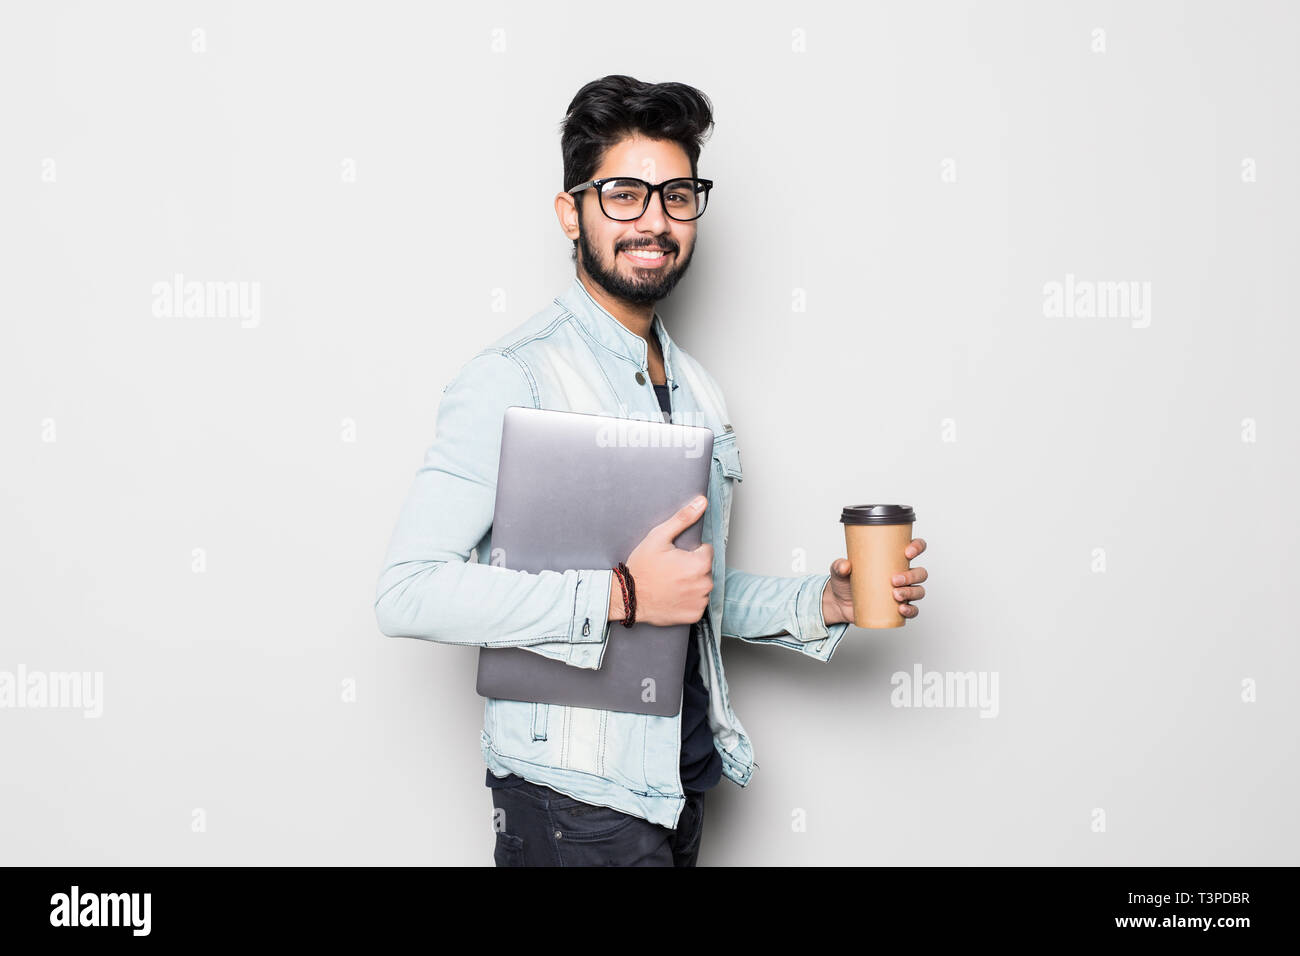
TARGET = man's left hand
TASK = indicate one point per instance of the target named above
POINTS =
(837, 597)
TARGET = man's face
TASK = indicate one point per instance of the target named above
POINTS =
(604, 244)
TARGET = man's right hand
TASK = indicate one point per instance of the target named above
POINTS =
(672, 584)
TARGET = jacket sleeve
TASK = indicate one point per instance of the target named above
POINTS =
(766, 609)
(429, 589)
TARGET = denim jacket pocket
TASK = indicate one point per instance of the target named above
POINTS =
(726, 458)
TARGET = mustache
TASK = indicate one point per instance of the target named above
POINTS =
(667, 247)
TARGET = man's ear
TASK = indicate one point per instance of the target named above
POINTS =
(566, 211)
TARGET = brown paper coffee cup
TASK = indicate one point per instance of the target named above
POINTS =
(876, 537)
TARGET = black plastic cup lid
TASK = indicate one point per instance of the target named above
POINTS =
(878, 514)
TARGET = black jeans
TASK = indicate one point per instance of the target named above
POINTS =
(538, 826)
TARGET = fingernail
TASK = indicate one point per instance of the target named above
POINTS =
(698, 503)
(898, 579)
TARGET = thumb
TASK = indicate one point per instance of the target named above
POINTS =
(682, 519)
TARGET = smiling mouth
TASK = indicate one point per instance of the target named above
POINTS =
(647, 256)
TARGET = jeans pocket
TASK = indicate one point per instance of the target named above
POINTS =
(589, 823)
(509, 849)
(695, 803)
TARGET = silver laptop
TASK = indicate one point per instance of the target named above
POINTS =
(578, 491)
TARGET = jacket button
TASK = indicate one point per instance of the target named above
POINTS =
(640, 379)
(557, 834)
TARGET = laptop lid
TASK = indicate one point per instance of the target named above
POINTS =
(580, 491)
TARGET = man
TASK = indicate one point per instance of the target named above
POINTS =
(578, 786)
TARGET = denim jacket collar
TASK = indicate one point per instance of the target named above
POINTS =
(613, 335)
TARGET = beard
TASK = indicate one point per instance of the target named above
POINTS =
(633, 284)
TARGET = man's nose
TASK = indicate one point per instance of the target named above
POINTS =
(654, 214)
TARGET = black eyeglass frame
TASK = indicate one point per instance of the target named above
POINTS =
(650, 191)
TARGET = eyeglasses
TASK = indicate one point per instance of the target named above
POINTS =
(624, 199)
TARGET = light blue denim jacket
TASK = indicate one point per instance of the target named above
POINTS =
(437, 582)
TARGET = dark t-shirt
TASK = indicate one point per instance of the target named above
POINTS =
(701, 766)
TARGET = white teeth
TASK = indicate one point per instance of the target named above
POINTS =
(646, 255)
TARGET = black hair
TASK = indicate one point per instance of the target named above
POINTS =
(610, 109)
